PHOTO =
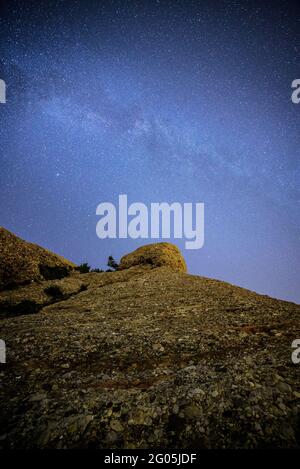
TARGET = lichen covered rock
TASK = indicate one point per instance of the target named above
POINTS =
(149, 358)
(22, 262)
(157, 255)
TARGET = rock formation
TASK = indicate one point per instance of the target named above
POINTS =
(22, 262)
(156, 255)
(147, 357)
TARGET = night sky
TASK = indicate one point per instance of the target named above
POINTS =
(164, 101)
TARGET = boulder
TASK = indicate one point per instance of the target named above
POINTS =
(156, 255)
(22, 262)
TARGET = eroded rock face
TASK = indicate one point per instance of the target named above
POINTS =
(156, 255)
(147, 358)
(30, 299)
(22, 262)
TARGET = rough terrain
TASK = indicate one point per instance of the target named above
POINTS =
(147, 357)
(22, 262)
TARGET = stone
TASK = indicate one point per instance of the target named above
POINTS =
(22, 262)
(116, 426)
(192, 412)
(284, 387)
(155, 255)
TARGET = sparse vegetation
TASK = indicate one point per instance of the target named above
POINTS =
(112, 264)
(84, 268)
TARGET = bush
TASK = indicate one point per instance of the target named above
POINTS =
(112, 264)
(84, 268)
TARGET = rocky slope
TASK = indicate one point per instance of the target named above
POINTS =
(147, 357)
(22, 262)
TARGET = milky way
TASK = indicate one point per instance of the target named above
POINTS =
(163, 101)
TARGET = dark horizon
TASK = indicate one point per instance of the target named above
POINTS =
(166, 101)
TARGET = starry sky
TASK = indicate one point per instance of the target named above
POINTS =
(186, 101)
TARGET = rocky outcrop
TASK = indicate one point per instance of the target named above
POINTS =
(30, 299)
(156, 255)
(22, 262)
(149, 358)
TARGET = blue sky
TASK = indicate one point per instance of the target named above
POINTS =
(163, 101)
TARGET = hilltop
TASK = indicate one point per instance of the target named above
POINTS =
(147, 356)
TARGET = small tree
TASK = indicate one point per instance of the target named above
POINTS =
(84, 268)
(112, 264)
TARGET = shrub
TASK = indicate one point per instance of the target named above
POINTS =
(112, 264)
(84, 268)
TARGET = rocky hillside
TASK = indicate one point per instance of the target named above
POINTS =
(22, 262)
(146, 357)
